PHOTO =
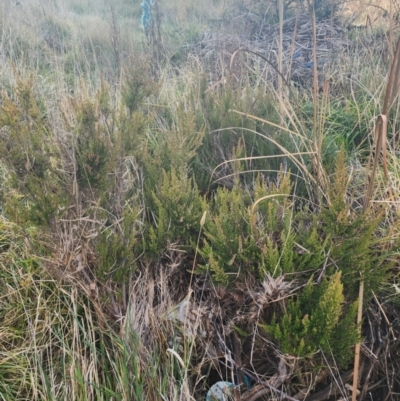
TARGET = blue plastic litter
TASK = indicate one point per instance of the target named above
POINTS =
(296, 55)
(309, 65)
(220, 391)
(247, 381)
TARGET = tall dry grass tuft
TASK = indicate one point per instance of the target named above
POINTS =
(380, 148)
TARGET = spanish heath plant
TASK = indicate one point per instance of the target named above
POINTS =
(312, 322)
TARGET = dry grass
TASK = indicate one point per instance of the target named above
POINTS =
(166, 334)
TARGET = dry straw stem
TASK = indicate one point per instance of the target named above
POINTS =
(319, 180)
(392, 90)
(280, 75)
(250, 158)
(299, 163)
(280, 56)
(317, 122)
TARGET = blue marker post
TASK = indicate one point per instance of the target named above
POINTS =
(146, 15)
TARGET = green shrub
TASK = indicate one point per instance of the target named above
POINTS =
(32, 160)
(314, 321)
(93, 146)
(138, 83)
(85, 174)
(117, 247)
(177, 214)
(240, 241)
(229, 248)
(351, 235)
